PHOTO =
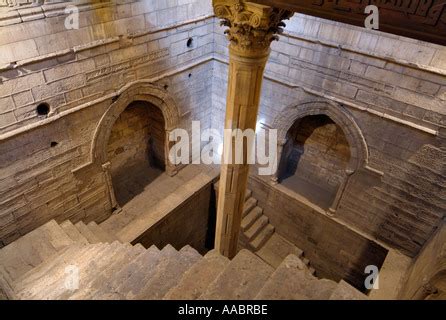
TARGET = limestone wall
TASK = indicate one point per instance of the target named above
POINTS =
(388, 95)
(51, 165)
(138, 135)
(428, 273)
(320, 152)
(186, 225)
(334, 251)
(41, 61)
(386, 92)
(129, 139)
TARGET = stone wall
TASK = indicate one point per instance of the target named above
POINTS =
(137, 136)
(385, 75)
(186, 225)
(387, 93)
(135, 150)
(317, 152)
(335, 251)
(129, 138)
(427, 276)
(51, 165)
(41, 61)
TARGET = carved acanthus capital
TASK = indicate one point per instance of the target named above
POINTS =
(251, 27)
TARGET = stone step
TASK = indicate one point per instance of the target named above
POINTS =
(256, 228)
(56, 277)
(65, 256)
(262, 237)
(251, 217)
(196, 280)
(276, 249)
(73, 232)
(249, 205)
(62, 289)
(248, 194)
(53, 287)
(33, 249)
(146, 270)
(95, 267)
(87, 233)
(242, 279)
(126, 255)
(345, 291)
(101, 233)
(169, 274)
(144, 264)
(292, 281)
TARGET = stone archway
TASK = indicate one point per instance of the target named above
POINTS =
(140, 91)
(358, 152)
(136, 150)
(143, 92)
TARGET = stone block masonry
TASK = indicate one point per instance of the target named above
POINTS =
(396, 100)
(186, 225)
(40, 154)
(334, 251)
(393, 88)
(78, 66)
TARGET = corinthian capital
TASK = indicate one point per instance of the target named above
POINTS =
(251, 27)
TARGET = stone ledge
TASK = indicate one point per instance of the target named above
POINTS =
(179, 69)
(316, 209)
(273, 78)
(136, 228)
(94, 44)
(405, 63)
(391, 276)
(21, 14)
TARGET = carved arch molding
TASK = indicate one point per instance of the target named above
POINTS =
(359, 158)
(141, 91)
(358, 146)
(136, 91)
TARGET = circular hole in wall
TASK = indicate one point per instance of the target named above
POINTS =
(190, 42)
(190, 75)
(43, 109)
(53, 144)
(166, 86)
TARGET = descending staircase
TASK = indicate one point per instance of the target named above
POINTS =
(258, 235)
(81, 261)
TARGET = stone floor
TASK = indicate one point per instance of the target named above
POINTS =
(134, 181)
(312, 192)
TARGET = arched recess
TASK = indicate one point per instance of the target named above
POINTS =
(341, 117)
(139, 91)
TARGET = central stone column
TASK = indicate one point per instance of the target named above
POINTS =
(251, 29)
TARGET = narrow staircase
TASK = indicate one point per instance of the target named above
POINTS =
(259, 236)
(82, 261)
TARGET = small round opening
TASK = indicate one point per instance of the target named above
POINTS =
(43, 109)
(190, 75)
(190, 42)
(53, 144)
(166, 86)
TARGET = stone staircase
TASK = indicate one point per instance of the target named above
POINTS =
(81, 261)
(258, 235)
